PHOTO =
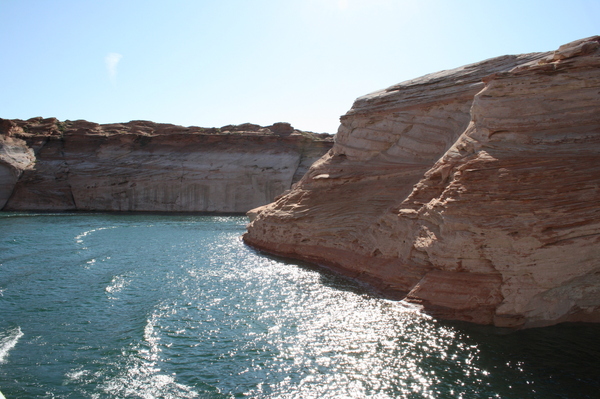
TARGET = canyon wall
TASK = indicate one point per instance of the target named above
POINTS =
(474, 192)
(50, 165)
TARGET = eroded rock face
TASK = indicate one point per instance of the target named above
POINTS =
(15, 157)
(474, 191)
(145, 166)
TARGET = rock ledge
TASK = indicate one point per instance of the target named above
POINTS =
(474, 192)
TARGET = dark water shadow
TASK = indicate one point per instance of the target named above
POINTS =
(560, 361)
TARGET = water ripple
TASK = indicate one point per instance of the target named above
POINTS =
(178, 307)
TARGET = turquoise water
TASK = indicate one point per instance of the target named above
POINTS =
(175, 306)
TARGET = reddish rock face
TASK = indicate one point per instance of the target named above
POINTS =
(15, 157)
(474, 191)
(144, 166)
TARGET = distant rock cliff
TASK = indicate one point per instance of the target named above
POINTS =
(473, 191)
(46, 165)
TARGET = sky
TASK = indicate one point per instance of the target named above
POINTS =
(211, 63)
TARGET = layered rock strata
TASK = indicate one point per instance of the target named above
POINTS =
(46, 165)
(474, 192)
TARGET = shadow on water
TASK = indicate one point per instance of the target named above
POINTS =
(561, 361)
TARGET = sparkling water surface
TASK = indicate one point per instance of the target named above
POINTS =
(176, 306)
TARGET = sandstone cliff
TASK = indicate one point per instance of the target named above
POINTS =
(473, 191)
(46, 165)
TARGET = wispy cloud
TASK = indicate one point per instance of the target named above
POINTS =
(111, 61)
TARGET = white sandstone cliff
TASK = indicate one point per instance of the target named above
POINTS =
(145, 166)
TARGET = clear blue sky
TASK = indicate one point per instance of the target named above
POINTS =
(212, 63)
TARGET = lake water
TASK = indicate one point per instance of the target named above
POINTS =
(176, 306)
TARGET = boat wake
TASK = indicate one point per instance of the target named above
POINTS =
(8, 340)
